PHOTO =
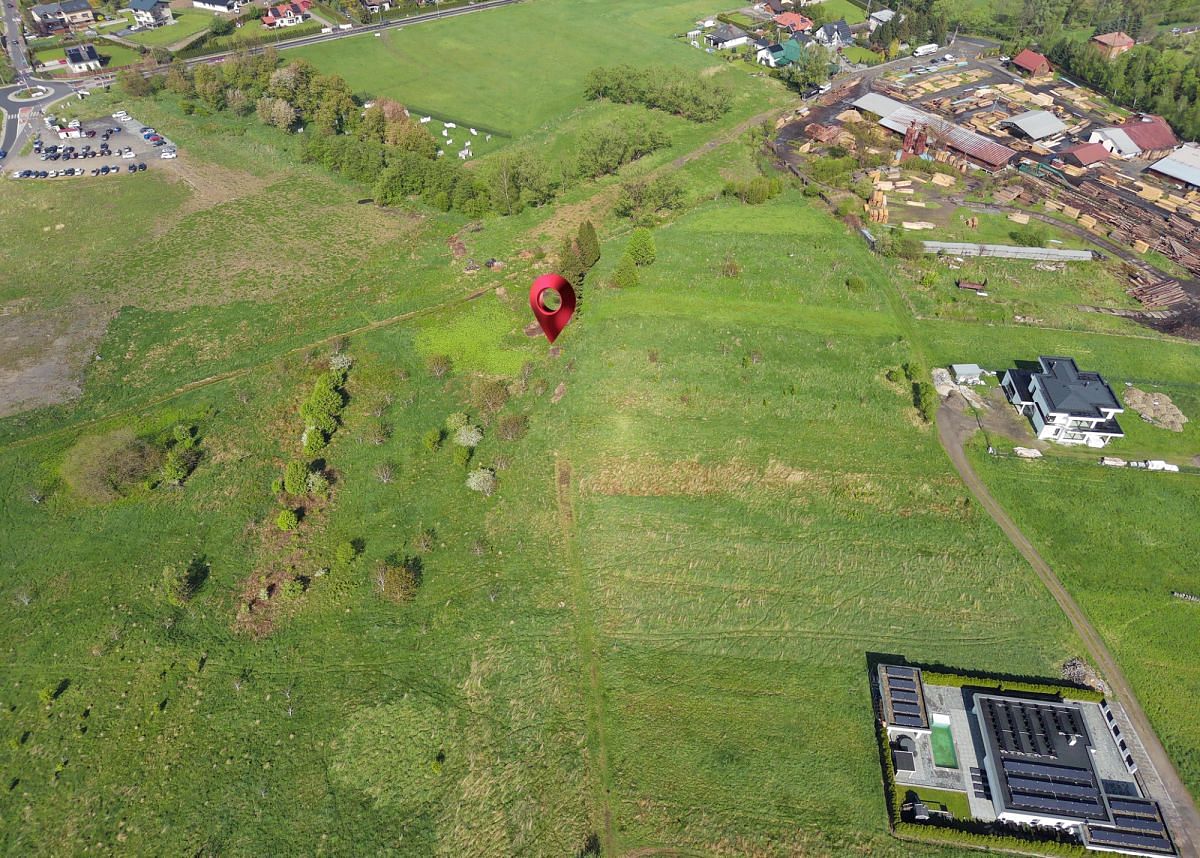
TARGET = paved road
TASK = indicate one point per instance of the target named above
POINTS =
(954, 428)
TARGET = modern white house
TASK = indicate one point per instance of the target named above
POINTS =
(82, 58)
(1065, 405)
(149, 14)
(219, 5)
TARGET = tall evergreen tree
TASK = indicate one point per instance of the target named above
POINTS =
(589, 244)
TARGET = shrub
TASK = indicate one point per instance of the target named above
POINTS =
(345, 553)
(926, 400)
(626, 274)
(317, 483)
(102, 468)
(482, 480)
(398, 579)
(176, 467)
(287, 520)
(457, 420)
(589, 244)
(462, 455)
(432, 440)
(384, 472)
(468, 436)
(641, 247)
(730, 267)
(855, 283)
(439, 365)
(489, 396)
(511, 427)
(295, 478)
(1029, 235)
(847, 206)
(929, 278)
(313, 441)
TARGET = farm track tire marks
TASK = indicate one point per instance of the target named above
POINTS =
(589, 654)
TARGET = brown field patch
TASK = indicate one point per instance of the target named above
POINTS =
(211, 186)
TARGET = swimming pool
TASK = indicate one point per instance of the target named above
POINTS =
(942, 741)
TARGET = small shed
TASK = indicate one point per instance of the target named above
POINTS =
(967, 373)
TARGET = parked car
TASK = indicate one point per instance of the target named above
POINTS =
(120, 114)
(3, 154)
(133, 168)
(158, 142)
(142, 167)
(42, 174)
(127, 153)
(105, 170)
(154, 138)
(168, 153)
(145, 129)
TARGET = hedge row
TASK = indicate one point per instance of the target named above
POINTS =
(957, 680)
(916, 831)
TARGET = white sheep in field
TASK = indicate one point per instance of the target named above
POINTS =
(425, 119)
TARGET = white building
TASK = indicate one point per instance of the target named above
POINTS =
(726, 36)
(82, 58)
(1063, 404)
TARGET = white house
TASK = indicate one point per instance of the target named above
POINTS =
(219, 5)
(1063, 404)
(835, 35)
(726, 36)
(149, 14)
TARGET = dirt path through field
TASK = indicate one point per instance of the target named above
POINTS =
(585, 632)
(954, 428)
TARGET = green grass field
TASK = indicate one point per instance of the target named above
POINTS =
(654, 636)
(940, 799)
(835, 9)
(188, 22)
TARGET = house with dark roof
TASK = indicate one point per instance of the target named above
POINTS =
(779, 55)
(726, 36)
(66, 15)
(82, 58)
(1064, 404)
(1112, 45)
(149, 14)
(835, 35)
(1032, 63)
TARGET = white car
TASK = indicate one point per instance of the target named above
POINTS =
(120, 114)
(168, 153)
(16, 174)
(127, 154)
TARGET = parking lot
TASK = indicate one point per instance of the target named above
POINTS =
(117, 145)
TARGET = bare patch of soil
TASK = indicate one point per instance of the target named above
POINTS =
(1156, 408)
(43, 354)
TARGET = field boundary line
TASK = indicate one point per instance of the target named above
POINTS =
(1178, 807)
(229, 375)
(585, 637)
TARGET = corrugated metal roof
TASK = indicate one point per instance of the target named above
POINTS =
(1121, 142)
(1037, 124)
(956, 137)
(1150, 132)
(1088, 153)
(880, 105)
(1182, 164)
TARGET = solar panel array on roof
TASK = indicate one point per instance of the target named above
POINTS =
(1035, 785)
(1115, 837)
(1137, 823)
(1066, 774)
(903, 701)
(1059, 805)
(1133, 806)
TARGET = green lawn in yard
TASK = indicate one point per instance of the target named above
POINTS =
(858, 54)
(111, 54)
(188, 22)
(835, 9)
(942, 741)
(940, 799)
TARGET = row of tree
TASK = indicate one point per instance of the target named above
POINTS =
(1156, 78)
(675, 91)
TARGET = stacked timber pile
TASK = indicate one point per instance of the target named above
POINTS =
(877, 207)
(1156, 291)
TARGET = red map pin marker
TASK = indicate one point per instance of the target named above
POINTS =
(552, 320)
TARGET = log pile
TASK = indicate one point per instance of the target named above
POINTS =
(1155, 292)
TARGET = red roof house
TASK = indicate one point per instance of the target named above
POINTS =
(794, 22)
(286, 14)
(1152, 135)
(1086, 154)
(1112, 45)
(1032, 63)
